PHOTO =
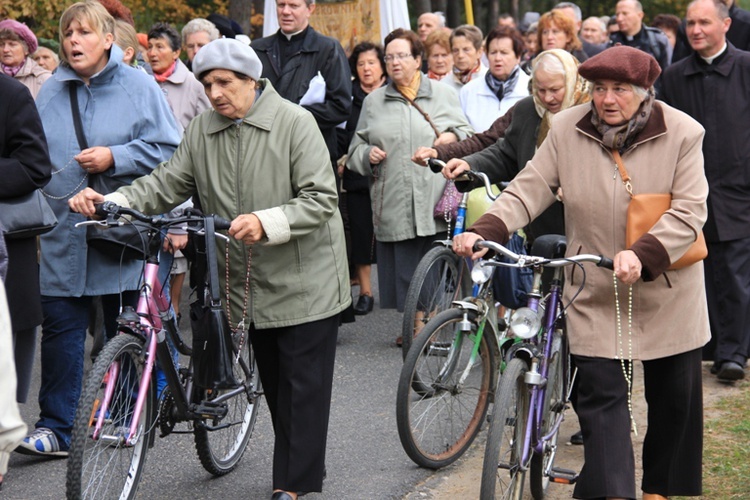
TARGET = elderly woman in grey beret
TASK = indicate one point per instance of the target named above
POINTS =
(260, 161)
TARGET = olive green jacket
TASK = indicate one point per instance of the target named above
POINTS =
(275, 164)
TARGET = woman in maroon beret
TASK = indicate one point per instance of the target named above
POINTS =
(645, 311)
(17, 42)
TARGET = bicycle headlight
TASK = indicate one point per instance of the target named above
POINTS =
(481, 272)
(525, 323)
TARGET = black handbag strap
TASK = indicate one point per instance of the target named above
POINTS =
(73, 91)
(211, 262)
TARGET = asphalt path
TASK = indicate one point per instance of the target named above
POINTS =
(364, 457)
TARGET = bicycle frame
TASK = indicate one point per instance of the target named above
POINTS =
(538, 374)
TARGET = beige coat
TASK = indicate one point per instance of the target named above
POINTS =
(33, 76)
(669, 313)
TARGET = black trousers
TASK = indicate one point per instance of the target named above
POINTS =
(673, 445)
(296, 369)
(727, 271)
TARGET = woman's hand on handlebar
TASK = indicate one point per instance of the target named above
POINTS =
(463, 245)
(422, 154)
(84, 202)
(174, 242)
(627, 267)
(454, 168)
(247, 227)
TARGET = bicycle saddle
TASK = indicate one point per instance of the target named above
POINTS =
(549, 246)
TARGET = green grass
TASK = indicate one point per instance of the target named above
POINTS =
(726, 449)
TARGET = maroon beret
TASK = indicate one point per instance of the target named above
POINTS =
(22, 31)
(622, 64)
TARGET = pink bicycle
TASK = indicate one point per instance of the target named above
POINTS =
(118, 411)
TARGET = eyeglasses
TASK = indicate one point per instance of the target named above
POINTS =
(396, 57)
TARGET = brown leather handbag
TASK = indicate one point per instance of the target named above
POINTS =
(644, 212)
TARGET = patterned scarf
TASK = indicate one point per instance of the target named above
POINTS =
(12, 70)
(576, 91)
(502, 88)
(162, 77)
(465, 76)
(622, 136)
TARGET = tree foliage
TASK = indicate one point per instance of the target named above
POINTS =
(42, 16)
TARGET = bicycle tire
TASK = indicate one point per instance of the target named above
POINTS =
(438, 418)
(554, 404)
(220, 443)
(105, 468)
(502, 473)
(440, 278)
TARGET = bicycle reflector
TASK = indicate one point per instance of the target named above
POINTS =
(525, 323)
(481, 272)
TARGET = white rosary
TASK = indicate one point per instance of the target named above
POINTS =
(627, 371)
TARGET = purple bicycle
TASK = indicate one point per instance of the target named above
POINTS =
(119, 411)
(534, 389)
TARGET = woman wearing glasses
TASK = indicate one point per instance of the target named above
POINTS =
(409, 112)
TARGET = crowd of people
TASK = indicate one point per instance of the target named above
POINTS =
(300, 145)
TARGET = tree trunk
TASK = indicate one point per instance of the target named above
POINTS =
(494, 14)
(240, 11)
(453, 14)
(440, 5)
(422, 6)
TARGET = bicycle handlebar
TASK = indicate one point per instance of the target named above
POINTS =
(110, 211)
(467, 181)
(530, 260)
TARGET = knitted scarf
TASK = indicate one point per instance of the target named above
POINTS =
(620, 137)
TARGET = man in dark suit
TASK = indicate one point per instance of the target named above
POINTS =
(296, 55)
(711, 85)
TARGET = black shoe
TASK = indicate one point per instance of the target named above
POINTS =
(730, 371)
(715, 368)
(364, 305)
(577, 438)
(281, 495)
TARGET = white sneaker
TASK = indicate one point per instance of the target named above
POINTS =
(42, 442)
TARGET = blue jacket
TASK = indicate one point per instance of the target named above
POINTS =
(124, 109)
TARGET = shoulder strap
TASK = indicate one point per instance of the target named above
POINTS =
(623, 173)
(421, 112)
(73, 91)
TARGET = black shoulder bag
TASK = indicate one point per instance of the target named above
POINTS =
(127, 241)
(212, 335)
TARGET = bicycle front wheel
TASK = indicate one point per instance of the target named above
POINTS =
(444, 390)
(502, 472)
(104, 465)
(221, 442)
(555, 401)
(440, 278)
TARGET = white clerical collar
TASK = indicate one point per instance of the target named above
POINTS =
(289, 36)
(709, 60)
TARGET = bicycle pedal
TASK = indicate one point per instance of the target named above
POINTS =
(563, 476)
(207, 409)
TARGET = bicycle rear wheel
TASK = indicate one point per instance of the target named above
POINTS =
(555, 401)
(502, 473)
(106, 467)
(221, 442)
(440, 278)
(443, 394)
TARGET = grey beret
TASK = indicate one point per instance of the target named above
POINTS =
(230, 54)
